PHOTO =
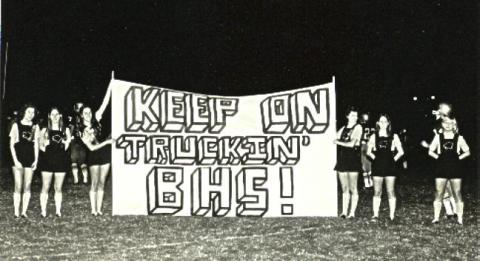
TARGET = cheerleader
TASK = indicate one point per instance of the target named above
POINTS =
(78, 151)
(24, 149)
(348, 161)
(381, 149)
(55, 140)
(448, 148)
(444, 110)
(98, 157)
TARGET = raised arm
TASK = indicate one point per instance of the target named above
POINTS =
(106, 100)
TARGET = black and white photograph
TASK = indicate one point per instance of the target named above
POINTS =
(239, 130)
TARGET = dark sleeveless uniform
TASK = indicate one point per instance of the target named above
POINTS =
(25, 147)
(348, 159)
(100, 156)
(384, 164)
(78, 150)
(448, 164)
(55, 158)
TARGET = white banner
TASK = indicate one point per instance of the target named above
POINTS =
(187, 154)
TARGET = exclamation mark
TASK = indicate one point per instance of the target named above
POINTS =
(286, 189)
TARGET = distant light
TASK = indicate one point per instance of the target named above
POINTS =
(432, 97)
(415, 98)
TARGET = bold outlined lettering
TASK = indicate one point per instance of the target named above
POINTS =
(310, 112)
(220, 108)
(207, 150)
(286, 189)
(197, 113)
(140, 112)
(156, 149)
(257, 152)
(286, 152)
(230, 150)
(275, 114)
(164, 195)
(252, 200)
(131, 145)
(211, 191)
(172, 111)
(183, 151)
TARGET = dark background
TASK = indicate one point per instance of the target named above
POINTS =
(381, 53)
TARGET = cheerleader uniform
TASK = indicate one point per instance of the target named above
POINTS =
(384, 164)
(78, 150)
(55, 158)
(448, 163)
(25, 147)
(348, 159)
(97, 157)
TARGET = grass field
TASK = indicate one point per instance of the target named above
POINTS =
(78, 235)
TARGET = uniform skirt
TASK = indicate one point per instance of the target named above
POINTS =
(384, 166)
(449, 168)
(348, 160)
(25, 153)
(55, 160)
(100, 157)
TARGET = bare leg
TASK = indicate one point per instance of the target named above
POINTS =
(75, 173)
(17, 190)
(377, 195)
(353, 180)
(104, 169)
(59, 178)
(343, 177)
(392, 199)
(457, 194)
(27, 182)
(94, 178)
(46, 181)
(84, 169)
(437, 204)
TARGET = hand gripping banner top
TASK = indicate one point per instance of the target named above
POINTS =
(187, 154)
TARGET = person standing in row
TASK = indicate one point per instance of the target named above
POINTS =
(24, 150)
(385, 149)
(98, 157)
(78, 151)
(367, 131)
(348, 161)
(448, 148)
(55, 139)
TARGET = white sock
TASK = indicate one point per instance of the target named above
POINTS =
(460, 212)
(43, 203)
(367, 179)
(58, 202)
(453, 204)
(376, 205)
(345, 203)
(353, 207)
(85, 174)
(16, 203)
(93, 199)
(25, 201)
(437, 207)
(99, 200)
(75, 174)
(392, 204)
(448, 206)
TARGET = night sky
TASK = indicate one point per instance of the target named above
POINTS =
(381, 54)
